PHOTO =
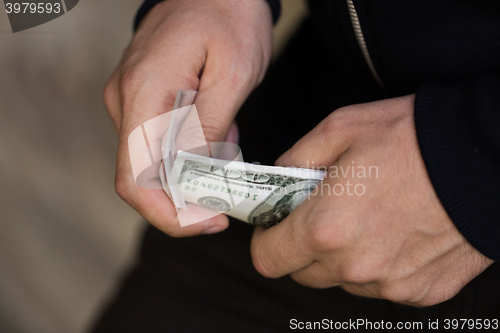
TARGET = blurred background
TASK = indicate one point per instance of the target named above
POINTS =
(66, 239)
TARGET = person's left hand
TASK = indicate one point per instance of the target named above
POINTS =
(387, 238)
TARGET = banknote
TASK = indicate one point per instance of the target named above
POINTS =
(204, 180)
(257, 194)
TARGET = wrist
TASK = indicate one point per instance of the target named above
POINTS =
(147, 5)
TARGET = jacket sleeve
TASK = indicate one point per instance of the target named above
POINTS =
(148, 4)
(458, 131)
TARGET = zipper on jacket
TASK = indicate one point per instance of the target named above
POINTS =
(356, 26)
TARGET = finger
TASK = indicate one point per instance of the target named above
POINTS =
(217, 106)
(281, 249)
(224, 86)
(321, 147)
(301, 241)
(317, 275)
(112, 100)
(155, 206)
(212, 222)
(145, 95)
(371, 289)
(233, 134)
(158, 209)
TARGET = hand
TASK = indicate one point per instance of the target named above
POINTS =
(221, 48)
(389, 238)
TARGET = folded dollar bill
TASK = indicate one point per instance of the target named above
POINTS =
(202, 186)
(257, 194)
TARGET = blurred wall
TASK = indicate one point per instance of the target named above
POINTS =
(65, 236)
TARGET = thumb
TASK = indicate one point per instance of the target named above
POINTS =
(224, 86)
(321, 147)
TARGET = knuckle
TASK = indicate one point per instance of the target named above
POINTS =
(238, 71)
(325, 235)
(335, 120)
(321, 239)
(330, 129)
(133, 71)
(122, 188)
(109, 93)
(237, 78)
(214, 130)
(129, 79)
(330, 126)
(341, 121)
(240, 79)
(112, 101)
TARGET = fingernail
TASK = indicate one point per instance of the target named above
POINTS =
(212, 230)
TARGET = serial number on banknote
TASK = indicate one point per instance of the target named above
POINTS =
(192, 186)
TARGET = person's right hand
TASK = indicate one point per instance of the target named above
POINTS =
(219, 47)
